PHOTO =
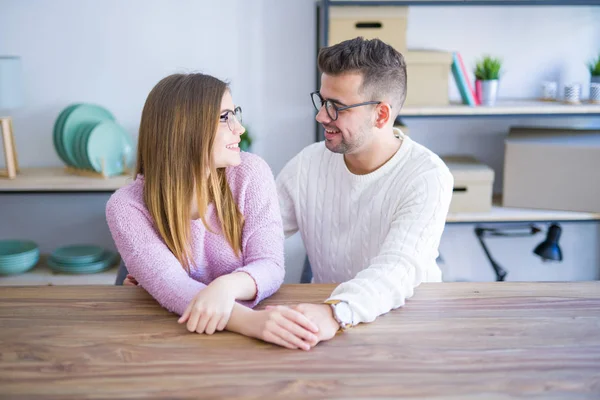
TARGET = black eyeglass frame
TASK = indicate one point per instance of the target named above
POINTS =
(226, 117)
(335, 106)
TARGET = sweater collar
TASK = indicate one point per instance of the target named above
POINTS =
(385, 168)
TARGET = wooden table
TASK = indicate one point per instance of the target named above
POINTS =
(451, 341)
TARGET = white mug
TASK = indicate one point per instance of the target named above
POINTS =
(549, 90)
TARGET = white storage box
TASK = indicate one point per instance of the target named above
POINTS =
(387, 23)
(473, 182)
(552, 168)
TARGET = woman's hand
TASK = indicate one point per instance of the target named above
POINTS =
(284, 327)
(210, 309)
(130, 281)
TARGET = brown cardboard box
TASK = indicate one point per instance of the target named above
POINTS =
(473, 182)
(428, 75)
(552, 168)
(387, 23)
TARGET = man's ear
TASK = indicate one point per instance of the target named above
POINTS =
(384, 113)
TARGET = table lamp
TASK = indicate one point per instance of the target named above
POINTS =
(11, 97)
(548, 250)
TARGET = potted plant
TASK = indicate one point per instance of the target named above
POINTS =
(245, 140)
(487, 75)
(594, 67)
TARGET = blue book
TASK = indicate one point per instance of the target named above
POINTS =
(461, 82)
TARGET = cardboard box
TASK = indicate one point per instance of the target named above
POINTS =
(552, 168)
(387, 23)
(473, 182)
(428, 74)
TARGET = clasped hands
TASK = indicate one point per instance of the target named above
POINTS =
(301, 326)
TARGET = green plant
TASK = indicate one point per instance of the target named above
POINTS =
(488, 68)
(594, 66)
(245, 140)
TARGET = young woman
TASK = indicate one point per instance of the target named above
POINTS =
(200, 228)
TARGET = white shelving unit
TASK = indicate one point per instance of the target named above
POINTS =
(512, 214)
(41, 275)
(505, 108)
(57, 179)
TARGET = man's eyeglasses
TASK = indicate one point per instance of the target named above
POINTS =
(231, 116)
(332, 108)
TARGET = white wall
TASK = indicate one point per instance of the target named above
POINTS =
(112, 52)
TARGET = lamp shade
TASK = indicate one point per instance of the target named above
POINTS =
(11, 83)
(549, 250)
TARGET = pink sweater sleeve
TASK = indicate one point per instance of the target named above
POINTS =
(262, 237)
(147, 257)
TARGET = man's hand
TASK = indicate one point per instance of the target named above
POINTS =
(322, 316)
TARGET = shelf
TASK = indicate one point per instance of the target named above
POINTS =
(41, 275)
(465, 3)
(56, 179)
(504, 108)
(512, 214)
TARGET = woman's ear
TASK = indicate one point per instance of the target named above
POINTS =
(384, 113)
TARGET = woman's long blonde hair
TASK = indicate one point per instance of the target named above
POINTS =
(177, 133)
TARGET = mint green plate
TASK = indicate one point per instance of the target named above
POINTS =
(18, 256)
(76, 141)
(7, 261)
(16, 247)
(78, 254)
(78, 144)
(110, 143)
(107, 260)
(83, 148)
(82, 113)
(19, 267)
(57, 132)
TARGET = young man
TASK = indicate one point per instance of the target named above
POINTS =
(369, 202)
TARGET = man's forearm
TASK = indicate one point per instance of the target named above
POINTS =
(240, 320)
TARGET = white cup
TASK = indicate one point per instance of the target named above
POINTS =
(549, 90)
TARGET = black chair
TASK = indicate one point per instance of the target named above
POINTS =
(307, 274)
(121, 274)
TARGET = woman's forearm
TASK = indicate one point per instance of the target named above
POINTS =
(240, 284)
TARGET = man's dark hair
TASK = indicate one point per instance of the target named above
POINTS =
(383, 68)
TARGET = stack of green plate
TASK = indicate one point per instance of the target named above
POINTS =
(81, 259)
(17, 256)
(86, 136)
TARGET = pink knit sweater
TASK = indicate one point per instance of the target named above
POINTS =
(155, 267)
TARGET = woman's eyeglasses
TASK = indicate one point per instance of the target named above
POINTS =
(231, 116)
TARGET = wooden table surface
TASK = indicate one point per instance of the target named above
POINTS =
(451, 341)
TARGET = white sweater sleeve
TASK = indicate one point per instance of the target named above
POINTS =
(287, 191)
(411, 243)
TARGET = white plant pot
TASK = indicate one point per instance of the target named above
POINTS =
(487, 92)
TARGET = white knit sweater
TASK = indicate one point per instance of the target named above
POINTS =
(377, 233)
